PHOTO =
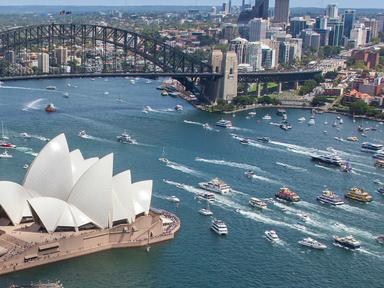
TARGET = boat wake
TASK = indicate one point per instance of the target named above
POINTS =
(295, 168)
(35, 104)
(230, 164)
(26, 150)
(200, 124)
(359, 211)
(265, 179)
(240, 129)
(325, 168)
(184, 169)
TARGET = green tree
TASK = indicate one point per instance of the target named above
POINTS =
(359, 107)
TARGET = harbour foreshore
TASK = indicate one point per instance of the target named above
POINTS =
(32, 248)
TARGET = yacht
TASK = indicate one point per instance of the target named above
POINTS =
(179, 108)
(216, 185)
(264, 139)
(358, 194)
(173, 199)
(5, 155)
(352, 139)
(312, 243)
(210, 197)
(124, 138)
(219, 227)
(267, 117)
(370, 147)
(249, 174)
(331, 159)
(224, 123)
(51, 87)
(328, 197)
(341, 121)
(379, 155)
(164, 93)
(257, 203)
(50, 108)
(25, 135)
(287, 195)
(346, 242)
(334, 124)
(162, 158)
(271, 236)
(346, 167)
(206, 212)
(83, 134)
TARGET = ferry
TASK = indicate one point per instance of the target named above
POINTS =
(50, 108)
(224, 123)
(370, 147)
(51, 87)
(216, 185)
(267, 117)
(379, 155)
(346, 242)
(206, 212)
(271, 236)
(179, 108)
(312, 243)
(5, 155)
(124, 138)
(257, 203)
(219, 227)
(287, 195)
(331, 159)
(210, 197)
(173, 199)
(328, 197)
(358, 194)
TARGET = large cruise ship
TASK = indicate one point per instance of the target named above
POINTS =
(216, 185)
(330, 159)
(370, 147)
(346, 242)
(287, 195)
(358, 194)
(328, 197)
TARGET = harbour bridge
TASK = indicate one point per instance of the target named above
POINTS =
(121, 52)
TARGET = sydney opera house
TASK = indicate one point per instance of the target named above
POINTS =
(68, 206)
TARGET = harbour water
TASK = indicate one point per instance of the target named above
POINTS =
(197, 257)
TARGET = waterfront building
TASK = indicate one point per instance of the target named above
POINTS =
(332, 11)
(257, 29)
(43, 63)
(349, 18)
(297, 25)
(281, 11)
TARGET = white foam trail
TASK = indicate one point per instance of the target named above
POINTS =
(291, 167)
(240, 129)
(184, 169)
(265, 179)
(325, 168)
(366, 172)
(29, 89)
(193, 123)
(359, 211)
(26, 150)
(370, 253)
(239, 192)
(34, 105)
(229, 164)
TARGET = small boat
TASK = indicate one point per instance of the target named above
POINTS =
(5, 155)
(267, 117)
(338, 117)
(352, 139)
(125, 138)
(285, 126)
(147, 109)
(219, 227)
(249, 174)
(148, 82)
(271, 235)
(173, 199)
(245, 141)
(164, 93)
(179, 107)
(106, 93)
(287, 195)
(252, 113)
(66, 95)
(51, 87)
(301, 120)
(25, 135)
(7, 145)
(224, 123)
(216, 185)
(312, 121)
(83, 134)
(346, 167)
(380, 239)
(132, 81)
(334, 124)
(257, 203)
(206, 212)
(341, 121)
(162, 158)
(210, 197)
(379, 163)
(207, 126)
(346, 242)
(26, 166)
(339, 139)
(380, 190)
(312, 243)
(264, 139)
(50, 108)
(281, 112)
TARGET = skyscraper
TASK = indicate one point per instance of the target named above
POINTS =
(349, 21)
(297, 25)
(332, 11)
(281, 11)
(259, 10)
(336, 33)
(380, 20)
(257, 29)
(43, 63)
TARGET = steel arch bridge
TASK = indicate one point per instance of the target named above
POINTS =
(164, 58)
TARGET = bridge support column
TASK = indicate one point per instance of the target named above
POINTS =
(280, 87)
(258, 89)
(296, 85)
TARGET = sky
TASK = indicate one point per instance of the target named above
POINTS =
(294, 3)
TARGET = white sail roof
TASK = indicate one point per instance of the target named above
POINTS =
(141, 193)
(122, 198)
(50, 173)
(79, 165)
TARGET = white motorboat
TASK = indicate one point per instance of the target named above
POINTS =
(219, 227)
(210, 197)
(207, 126)
(162, 158)
(133, 81)
(224, 123)
(25, 135)
(206, 212)
(173, 199)
(83, 134)
(252, 114)
(125, 138)
(216, 185)
(5, 155)
(147, 109)
(257, 203)
(106, 93)
(267, 117)
(312, 243)
(66, 95)
(311, 121)
(271, 236)
(51, 87)
(26, 166)
(179, 108)
(301, 120)
(249, 174)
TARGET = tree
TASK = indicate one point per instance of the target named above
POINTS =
(331, 75)
(243, 100)
(359, 107)
(308, 87)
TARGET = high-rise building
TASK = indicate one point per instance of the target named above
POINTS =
(254, 55)
(336, 33)
(9, 56)
(373, 26)
(259, 10)
(284, 53)
(380, 20)
(268, 57)
(229, 6)
(225, 8)
(332, 11)
(43, 63)
(257, 29)
(297, 25)
(359, 34)
(240, 46)
(281, 11)
(349, 21)
(61, 54)
(296, 49)
(321, 23)
(230, 31)
(311, 39)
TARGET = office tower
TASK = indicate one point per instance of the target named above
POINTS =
(332, 11)
(311, 39)
(61, 55)
(297, 25)
(240, 46)
(349, 21)
(43, 63)
(281, 11)
(359, 34)
(380, 20)
(257, 29)
(336, 33)
(254, 55)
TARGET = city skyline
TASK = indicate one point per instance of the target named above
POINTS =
(293, 3)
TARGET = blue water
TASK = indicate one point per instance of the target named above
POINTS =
(197, 257)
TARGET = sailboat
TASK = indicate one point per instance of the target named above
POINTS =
(3, 136)
(326, 121)
(162, 158)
